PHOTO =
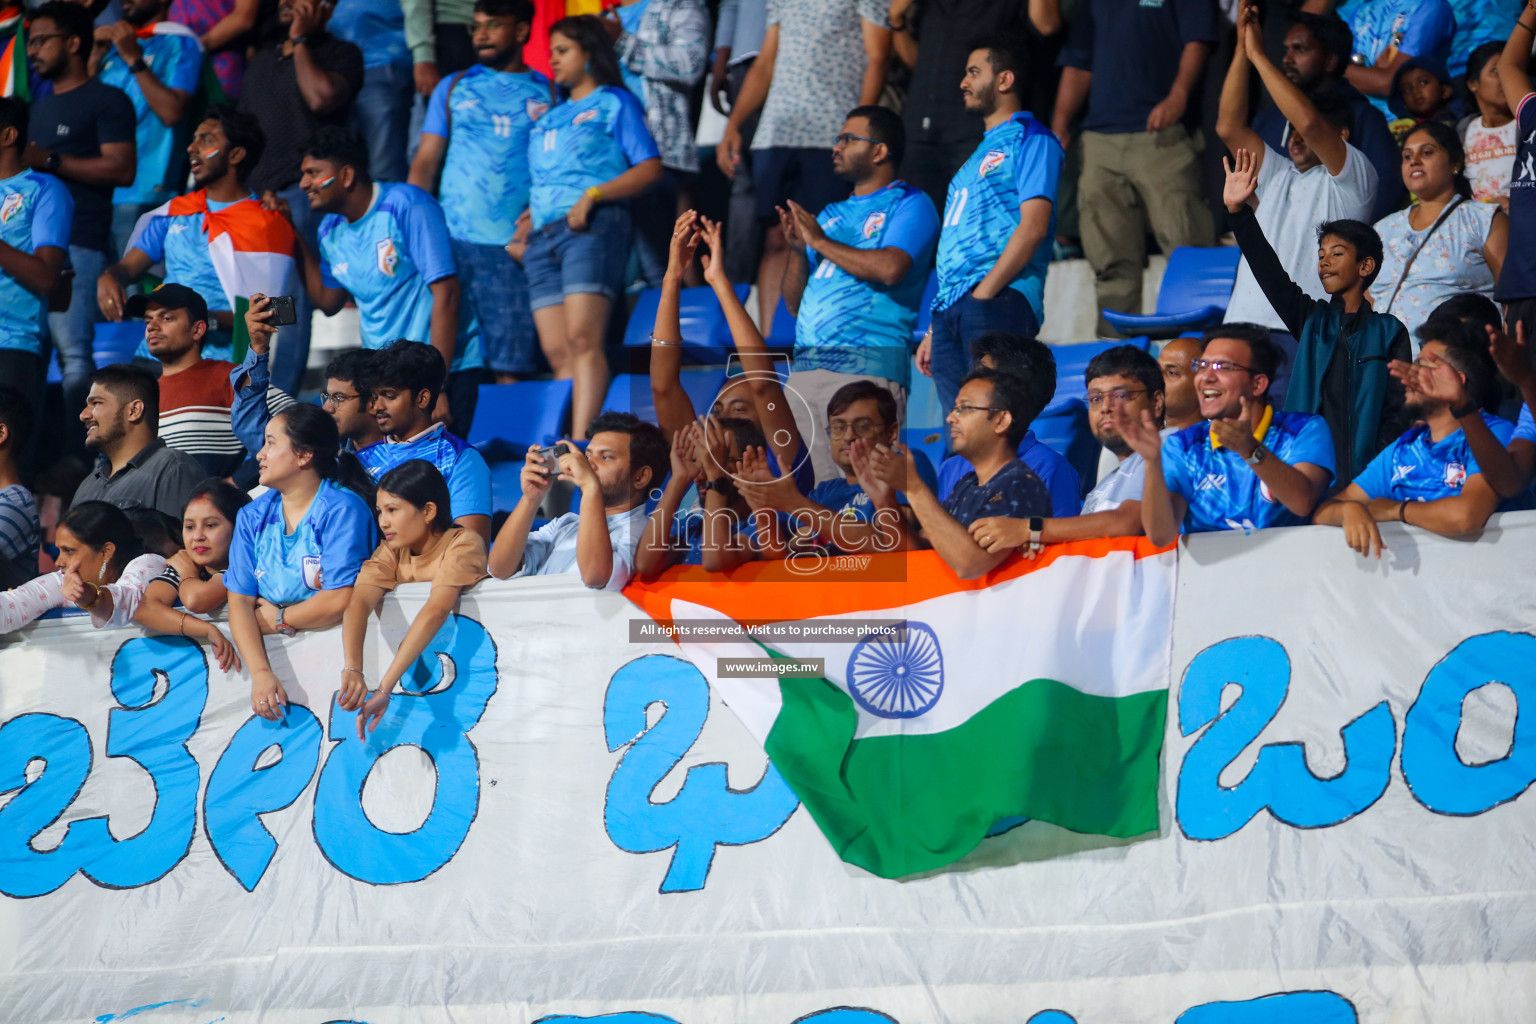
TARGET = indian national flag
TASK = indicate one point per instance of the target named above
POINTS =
(13, 55)
(1036, 692)
(251, 250)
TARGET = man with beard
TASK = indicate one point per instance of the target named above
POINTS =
(224, 149)
(1431, 477)
(855, 277)
(999, 222)
(134, 467)
(476, 135)
(157, 64)
(625, 457)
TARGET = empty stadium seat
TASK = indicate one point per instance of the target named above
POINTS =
(116, 343)
(510, 417)
(1196, 288)
(1064, 428)
(706, 337)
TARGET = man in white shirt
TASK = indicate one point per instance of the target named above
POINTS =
(625, 458)
(1321, 179)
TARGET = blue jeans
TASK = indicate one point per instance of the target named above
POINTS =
(74, 330)
(382, 112)
(653, 213)
(292, 353)
(962, 323)
(562, 262)
(497, 289)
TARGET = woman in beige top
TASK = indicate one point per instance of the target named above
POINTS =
(421, 545)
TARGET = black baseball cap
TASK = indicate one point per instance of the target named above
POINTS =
(169, 296)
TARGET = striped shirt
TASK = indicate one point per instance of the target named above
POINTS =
(194, 415)
(20, 536)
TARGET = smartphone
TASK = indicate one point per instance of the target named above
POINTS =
(283, 312)
(552, 457)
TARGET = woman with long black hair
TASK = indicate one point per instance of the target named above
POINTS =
(102, 569)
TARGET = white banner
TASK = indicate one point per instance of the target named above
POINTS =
(565, 824)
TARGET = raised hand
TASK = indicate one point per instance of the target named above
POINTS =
(1433, 378)
(535, 478)
(806, 225)
(1512, 356)
(256, 327)
(712, 236)
(1237, 433)
(685, 242)
(1242, 180)
(1139, 431)
(685, 461)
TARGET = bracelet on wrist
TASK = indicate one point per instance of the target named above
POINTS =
(1402, 511)
(659, 341)
(349, 668)
(594, 193)
(95, 596)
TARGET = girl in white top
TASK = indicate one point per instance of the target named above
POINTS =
(1445, 244)
(1489, 135)
(101, 571)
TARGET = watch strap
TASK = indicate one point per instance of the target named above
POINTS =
(1463, 411)
(138, 65)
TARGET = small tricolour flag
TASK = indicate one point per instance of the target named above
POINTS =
(1038, 691)
(13, 55)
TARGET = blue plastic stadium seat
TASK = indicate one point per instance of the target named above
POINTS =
(706, 337)
(116, 343)
(925, 429)
(782, 334)
(631, 392)
(1072, 360)
(1196, 288)
(506, 483)
(510, 417)
(924, 317)
(1064, 428)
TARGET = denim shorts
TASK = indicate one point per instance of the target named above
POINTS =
(562, 262)
(497, 288)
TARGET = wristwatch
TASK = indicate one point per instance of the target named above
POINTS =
(1036, 529)
(1256, 457)
(138, 65)
(1464, 411)
(281, 626)
(719, 483)
(52, 161)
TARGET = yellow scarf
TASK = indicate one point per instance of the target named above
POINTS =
(1258, 432)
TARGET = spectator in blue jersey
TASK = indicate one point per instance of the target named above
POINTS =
(1517, 280)
(298, 548)
(1432, 476)
(385, 245)
(857, 512)
(405, 381)
(999, 222)
(224, 149)
(1343, 345)
(20, 532)
(157, 64)
(624, 458)
(474, 155)
(381, 110)
(587, 157)
(990, 416)
(1124, 376)
(855, 276)
(35, 216)
(1388, 33)
(1032, 362)
(1250, 467)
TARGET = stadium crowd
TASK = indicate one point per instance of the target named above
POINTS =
(221, 171)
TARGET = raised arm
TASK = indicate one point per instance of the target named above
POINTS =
(1232, 113)
(674, 409)
(655, 551)
(1517, 51)
(1290, 302)
(1323, 138)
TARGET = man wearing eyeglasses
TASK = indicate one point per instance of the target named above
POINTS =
(348, 394)
(1250, 467)
(855, 276)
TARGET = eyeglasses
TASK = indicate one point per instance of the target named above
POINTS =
(336, 397)
(1098, 398)
(43, 37)
(862, 427)
(1217, 365)
(961, 410)
(845, 138)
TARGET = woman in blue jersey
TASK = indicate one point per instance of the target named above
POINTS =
(298, 547)
(585, 157)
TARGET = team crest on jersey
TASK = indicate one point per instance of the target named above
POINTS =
(536, 108)
(1455, 474)
(584, 117)
(388, 256)
(1264, 492)
(873, 223)
(11, 206)
(991, 162)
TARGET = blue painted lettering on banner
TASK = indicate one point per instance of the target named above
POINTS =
(1436, 774)
(706, 812)
(1280, 780)
(64, 747)
(445, 693)
(241, 788)
(1280, 1008)
(1052, 1017)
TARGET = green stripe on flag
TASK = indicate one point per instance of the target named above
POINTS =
(242, 337)
(897, 805)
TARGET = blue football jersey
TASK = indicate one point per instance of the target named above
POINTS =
(485, 115)
(35, 210)
(1416, 468)
(176, 58)
(860, 327)
(1017, 161)
(1223, 491)
(181, 243)
(469, 478)
(378, 29)
(324, 552)
(582, 143)
(387, 260)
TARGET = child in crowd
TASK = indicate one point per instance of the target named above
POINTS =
(102, 570)
(422, 544)
(195, 574)
(1421, 91)
(297, 548)
(1489, 134)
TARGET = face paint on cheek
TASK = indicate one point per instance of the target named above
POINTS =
(327, 183)
(209, 154)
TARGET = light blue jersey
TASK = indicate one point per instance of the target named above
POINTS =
(1419, 28)
(1223, 491)
(35, 211)
(469, 478)
(485, 179)
(582, 143)
(387, 260)
(1415, 468)
(851, 326)
(324, 552)
(377, 27)
(1017, 161)
(176, 58)
(180, 241)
